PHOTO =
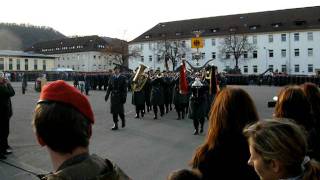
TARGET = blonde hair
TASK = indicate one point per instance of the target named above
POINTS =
(284, 141)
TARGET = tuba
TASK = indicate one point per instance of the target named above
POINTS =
(140, 79)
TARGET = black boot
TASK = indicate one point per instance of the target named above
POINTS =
(2, 156)
(179, 118)
(137, 115)
(182, 114)
(201, 128)
(123, 123)
(142, 113)
(115, 127)
(196, 132)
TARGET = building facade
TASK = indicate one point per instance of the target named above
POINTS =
(23, 61)
(285, 41)
(86, 54)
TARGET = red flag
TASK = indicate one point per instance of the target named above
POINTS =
(183, 79)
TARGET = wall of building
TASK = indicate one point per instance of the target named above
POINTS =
(87, 61)
(308, 64)
(11, 63)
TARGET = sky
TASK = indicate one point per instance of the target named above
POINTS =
(127, 19)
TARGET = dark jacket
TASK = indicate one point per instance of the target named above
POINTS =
(87, 167)
(157, 96)
(199, 102)
(118, 89)
(228, 160)
(6, 91)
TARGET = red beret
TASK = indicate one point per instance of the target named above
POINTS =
(60, 91)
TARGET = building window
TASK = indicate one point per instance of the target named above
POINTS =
(44, 65)
(150, 58)
(142, 58)
(158, 57)
(296, 52)
(94, 56)
(26, 64)
(284, 68)
(150, 46)
(283, 53)
(296, 68)
(227, 55)
(254, 40)
(227, 68)
(203, 55)
(310, 51)
(310, 36)
(18, 64)
(283, 37)
(255, 68)
(245, 69)
(213, 55)
(183, 43)
(255, 54)
(1, 64)
(10, 64)
(141, 46)
(271, 67)
(270, 38)
(213, 42)
(310, 68)
(270, 53)
(296, 36)
(245, 54)
(35, 65)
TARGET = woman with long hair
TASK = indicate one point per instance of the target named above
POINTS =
(279, 151)
(293, 104)
(224, 153)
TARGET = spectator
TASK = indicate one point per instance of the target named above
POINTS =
(225, 152)
(279, 151)
(293, 104)
(6, 91)
(63, 122)
(184, 174)
(313, 95)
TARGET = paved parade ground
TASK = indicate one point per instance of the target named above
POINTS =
(146, 149)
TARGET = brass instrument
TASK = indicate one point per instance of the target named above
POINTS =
(140, 79)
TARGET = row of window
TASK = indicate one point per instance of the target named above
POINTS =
(296, 52)
(26, 64)
(68, 47)
(78, 57)
(283, 68)
(77, 67)
(245, 54)
(296, 37)
(254, 39)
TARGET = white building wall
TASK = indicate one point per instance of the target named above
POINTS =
(262, 61)
(87, 61)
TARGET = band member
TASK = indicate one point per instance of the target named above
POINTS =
(198, 103)
(180, 100)
(157, 96)
(138, 91)
(167, 89)
(118, 89)
(147, 94)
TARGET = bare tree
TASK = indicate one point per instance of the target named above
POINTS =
(171, 51)
(121, 51)
(236, 45)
